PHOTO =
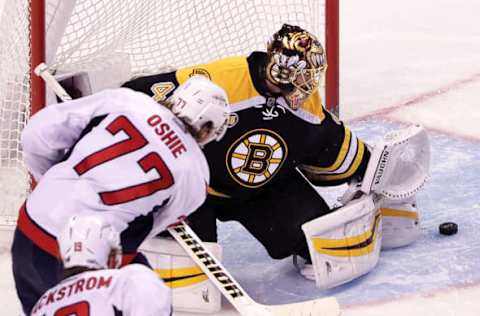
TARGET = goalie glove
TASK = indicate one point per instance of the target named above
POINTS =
(399, 164)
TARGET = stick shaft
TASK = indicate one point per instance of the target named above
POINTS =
(211, 266)
(238, 297)
(43, 71)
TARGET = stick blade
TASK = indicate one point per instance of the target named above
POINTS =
(320, 307)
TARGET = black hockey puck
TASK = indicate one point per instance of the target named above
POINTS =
(448, 228)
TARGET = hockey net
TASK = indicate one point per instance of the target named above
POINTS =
(86, 35)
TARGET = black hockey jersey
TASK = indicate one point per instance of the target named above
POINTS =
(266, 140)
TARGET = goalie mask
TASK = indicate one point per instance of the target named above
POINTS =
(87, 241)
(296, 63)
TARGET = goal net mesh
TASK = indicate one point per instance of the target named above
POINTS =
(85, 35)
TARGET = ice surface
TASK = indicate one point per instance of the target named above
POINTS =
(405, 61)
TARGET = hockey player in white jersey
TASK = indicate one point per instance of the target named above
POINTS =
(117, 154)
(90, 251)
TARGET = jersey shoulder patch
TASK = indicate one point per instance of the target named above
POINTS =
(230, 73)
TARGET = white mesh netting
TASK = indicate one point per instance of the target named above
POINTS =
(178, 33)
(14, 105)
(87, 34)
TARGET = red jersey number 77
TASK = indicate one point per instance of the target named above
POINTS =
(135, 141)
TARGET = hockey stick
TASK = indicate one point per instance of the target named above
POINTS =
(220, 277)
(230, 288)
(42, 71)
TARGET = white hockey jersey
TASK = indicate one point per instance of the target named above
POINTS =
(133, 290)
(117, 154)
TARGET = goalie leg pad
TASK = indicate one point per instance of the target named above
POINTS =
(192, 291)
(401, 223)
(345, 244)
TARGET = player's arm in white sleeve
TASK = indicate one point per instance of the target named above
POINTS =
(144, 294)
(54, 129)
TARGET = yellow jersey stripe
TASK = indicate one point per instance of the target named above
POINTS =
(351, 170)
(230, 73)
(340, 158)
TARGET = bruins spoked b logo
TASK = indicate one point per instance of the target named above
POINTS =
(255, 157)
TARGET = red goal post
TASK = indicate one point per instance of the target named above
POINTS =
(146, 35)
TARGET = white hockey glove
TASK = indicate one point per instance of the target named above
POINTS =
(399, 165)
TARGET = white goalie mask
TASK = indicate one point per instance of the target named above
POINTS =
(199, 101)
(87, 241)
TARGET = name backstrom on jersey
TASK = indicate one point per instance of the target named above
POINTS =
(80, 285)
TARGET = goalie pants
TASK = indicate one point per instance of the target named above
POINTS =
(274, 216)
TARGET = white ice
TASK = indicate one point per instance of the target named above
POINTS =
(410, 61)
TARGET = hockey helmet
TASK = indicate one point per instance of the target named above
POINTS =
(199, 101)
(87, 241)
(296, 63)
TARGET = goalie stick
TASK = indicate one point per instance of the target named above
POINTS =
(237, 296)
(219, 276)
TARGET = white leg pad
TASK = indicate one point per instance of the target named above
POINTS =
(192, 291)
(401, 223)
(345, 244)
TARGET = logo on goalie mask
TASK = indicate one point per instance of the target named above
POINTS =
(256, 157)
(296, 63)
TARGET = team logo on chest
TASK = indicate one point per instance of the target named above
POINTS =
(255, 157)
